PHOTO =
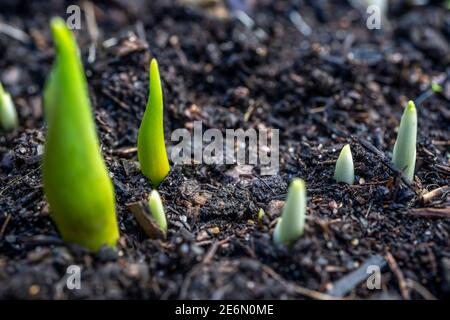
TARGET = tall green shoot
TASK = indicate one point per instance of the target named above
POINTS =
(152, 153)
(76, 181)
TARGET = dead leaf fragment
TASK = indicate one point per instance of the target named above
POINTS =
(141, 212)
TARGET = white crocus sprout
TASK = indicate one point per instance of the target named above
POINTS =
(292, 222)
(8, 113)
(404, 154)
(345, 171)
(157, 210)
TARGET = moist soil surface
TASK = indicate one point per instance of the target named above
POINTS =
(333, 83)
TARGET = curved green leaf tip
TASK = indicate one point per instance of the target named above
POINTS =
(436, 87)
(8, 113)
(261, 214)
(76, 181)
(152, 153)
(157, 210)
(345, 171)
(292, 222)
(404, 154)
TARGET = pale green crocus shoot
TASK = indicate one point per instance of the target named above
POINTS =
(345, 171)
(291, 224)
(404, 154)
(152, 153)
(8, 113)
(157, 210)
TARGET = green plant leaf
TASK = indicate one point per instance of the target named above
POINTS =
(152, 153)
(76, 181)
(436, 87)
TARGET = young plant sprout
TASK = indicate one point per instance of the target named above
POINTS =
(292, 222)
(404, 154)
(157, 210)
(345, 171)
(261, 214)
(436, 87)
(8, 113)
(151, 146)
(76, 181)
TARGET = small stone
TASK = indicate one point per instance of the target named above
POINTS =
(332, 205)
(184, 248)
(34, 290)
(40, 150)
(275, 207)
(202, 235)
(10, 238)
(215, 231)
(355, 242)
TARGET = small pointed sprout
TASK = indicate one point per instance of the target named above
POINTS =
(157, 210)
(8, 113)
(404, 154)
(152, 153)
(261, 214)
(345, 171)
(76, 181)
(292, 222)
(436, 87)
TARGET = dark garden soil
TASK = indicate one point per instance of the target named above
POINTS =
(342, 84)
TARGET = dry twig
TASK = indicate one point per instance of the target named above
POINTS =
(404, 289)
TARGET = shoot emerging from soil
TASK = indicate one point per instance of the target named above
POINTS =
(291, 224)
(8, 113)
(344, 171)
(76, 181)
(157, 210)
(152, 153)
(404, 154)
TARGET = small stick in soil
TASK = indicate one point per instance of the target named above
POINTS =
(14, 33)
(380, 155)
(92, 29)
(119, 102)
(125, 151)
(347, 283)
(265, 183)
(431, 212)
(17, 180)
(433, 194)
(442, 168)
(296, 288)
(420, 289)
(211, 252)
(399, 274)
(5, 224)
(212, 249)
(300, 23)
